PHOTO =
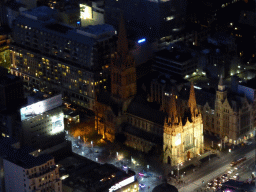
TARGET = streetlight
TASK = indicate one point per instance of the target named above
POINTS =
(92, 147)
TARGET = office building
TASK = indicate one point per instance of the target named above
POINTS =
(54, 57)
(172, 62)
(26, 170)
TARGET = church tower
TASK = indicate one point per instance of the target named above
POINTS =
(221, 92)
(221, 96)
(123, 69)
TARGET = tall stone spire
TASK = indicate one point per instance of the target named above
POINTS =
(172, 116)
(192, 100)
(122, 43)
(221, 87)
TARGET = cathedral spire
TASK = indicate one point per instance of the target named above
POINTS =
(172, 109)
(221, 86)
(122, 43)
(192, 100)
(221, 80)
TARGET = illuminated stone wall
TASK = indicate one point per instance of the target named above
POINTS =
(183, 142)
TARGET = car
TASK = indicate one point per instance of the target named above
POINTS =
(217, 179)
(230, 171)
(142, 185)
(210, 185)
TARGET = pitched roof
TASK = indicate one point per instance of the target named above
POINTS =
(128, 128)
(140, 108)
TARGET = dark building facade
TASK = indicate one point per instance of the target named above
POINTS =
(147, 19)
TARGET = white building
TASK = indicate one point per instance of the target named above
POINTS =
(26, 171)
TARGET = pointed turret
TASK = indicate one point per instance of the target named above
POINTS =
(192, 100)
(172, 116)
(122, 43)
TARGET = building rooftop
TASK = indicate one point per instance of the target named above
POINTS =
(95, 177)
(126, 127)
(174, 55)
(40, 13)
(140, 108)
(98, 29)
(21, 156)
(58, 27)
(8, 79)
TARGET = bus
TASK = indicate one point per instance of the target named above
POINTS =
(234, 163)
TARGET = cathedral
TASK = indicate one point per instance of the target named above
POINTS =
(178, 131)
(183, 132)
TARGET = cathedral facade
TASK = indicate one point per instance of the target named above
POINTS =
(183, 132)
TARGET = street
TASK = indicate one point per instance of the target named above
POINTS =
(193, 181)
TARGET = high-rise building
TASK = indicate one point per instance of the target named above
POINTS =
(51, 56)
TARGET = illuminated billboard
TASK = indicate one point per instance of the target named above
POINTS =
(40, 107)
(85, 12)
(57, 124)
(122, 184)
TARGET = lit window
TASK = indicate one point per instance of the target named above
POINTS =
(80, 80)
(63, 66)
(105, 87)
(91, 83)
(59, 65)
(21, 55)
